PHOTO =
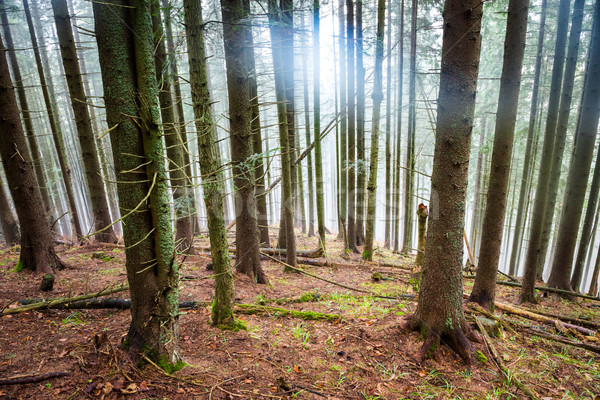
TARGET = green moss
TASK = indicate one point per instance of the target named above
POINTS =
(169, 367)
(367, 255)
(234, 326)
(481, 357)
(376, 276)
(19, 267)
(307, 297)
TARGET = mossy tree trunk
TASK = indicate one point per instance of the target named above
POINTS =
(579, 170)
(37, 243)
(235, 24)
(89, 152)
(484, 289)
(541, 193)
(182, 196)
(439, 311)
(212, 178)
(133, 110)
(286, 181)
(377, 99)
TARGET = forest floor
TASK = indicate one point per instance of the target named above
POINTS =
(364, 355)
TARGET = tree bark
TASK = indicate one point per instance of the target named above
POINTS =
(37, 243)
(89, 152)
(222, 308)
(343, 164)
(534, 246)
(484, 289)
(238, 88)
(309, 162)
(442, 267)
(377, 99)
(577, 180)
(422, 214)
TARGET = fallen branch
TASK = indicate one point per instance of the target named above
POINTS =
(552, 290)
(111, 302)
(64, 300)
(565, 318)
(32, 379)
(398, 296)
(506, 324)
(541, 318)
(556, 338)
(498, 360)
(308, 315)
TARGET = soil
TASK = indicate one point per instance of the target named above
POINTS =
(364, 355)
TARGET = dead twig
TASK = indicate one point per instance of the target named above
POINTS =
(32, 379)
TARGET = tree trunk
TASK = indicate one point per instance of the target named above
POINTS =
(541, 193)
(343, 164)
(529, 153)
(182, 198)
(259, 170)
(57, 137)
(388, 132)
(317, 127)
(484, 289)
(222, 309)
(476, 194)
(137, 147)
(89, 152)
(412, 126)
(442, 267)
(377, 99)
(351, 221)
(27, 119)
(361, 162)
(588, 230)
(309, 162)
(396, 190)
(37, 243)
(561, 130)
(577, 181)
(238, 88)
(422, 214)
(277, 40)
(10, 227)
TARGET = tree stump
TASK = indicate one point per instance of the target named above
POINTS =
(47, 283)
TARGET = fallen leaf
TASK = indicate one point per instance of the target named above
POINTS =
(144, 387)
(130, 389)
(298, 369)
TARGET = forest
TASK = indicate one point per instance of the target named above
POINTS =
(280, 199)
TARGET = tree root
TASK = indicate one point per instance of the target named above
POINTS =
(498, 360)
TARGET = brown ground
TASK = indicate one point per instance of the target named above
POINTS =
(367, 355)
